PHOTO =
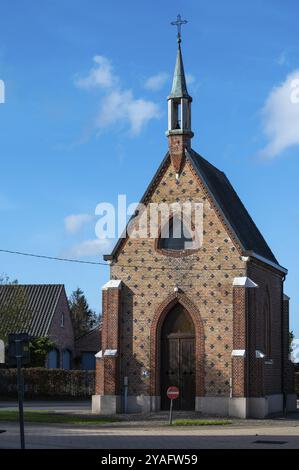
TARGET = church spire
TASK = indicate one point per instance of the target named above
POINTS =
(179, 109)
(179, 86)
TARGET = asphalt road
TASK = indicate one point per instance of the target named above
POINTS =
(150, 432)
(151, 437)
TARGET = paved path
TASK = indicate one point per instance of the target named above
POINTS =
(150, 432)
(151, 437)
(59, 406)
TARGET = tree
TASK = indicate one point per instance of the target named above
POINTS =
(83, 318)
(14, 314)
(291, 339)
(39, 349)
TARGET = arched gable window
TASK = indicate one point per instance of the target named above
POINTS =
(176, 238)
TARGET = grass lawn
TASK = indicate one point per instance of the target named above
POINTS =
(47, 417)
(201, 422)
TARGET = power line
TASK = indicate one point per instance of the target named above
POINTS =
(164, 269)
(70, 260)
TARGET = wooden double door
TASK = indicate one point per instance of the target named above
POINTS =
(178, 359)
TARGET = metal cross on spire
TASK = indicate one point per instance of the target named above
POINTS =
(178, 23)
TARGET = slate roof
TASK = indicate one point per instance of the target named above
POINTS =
(232, 207)
(179, 87)
(37, 303)
(229, 203)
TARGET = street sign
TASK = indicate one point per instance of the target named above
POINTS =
(18, 344)
(173, 393)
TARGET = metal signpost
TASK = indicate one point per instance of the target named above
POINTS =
(2, 352)
(172, 394)
(19, 354)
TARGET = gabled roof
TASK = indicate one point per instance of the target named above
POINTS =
(36, 302)
(230, 207)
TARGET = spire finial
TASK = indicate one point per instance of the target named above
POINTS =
(178, 23)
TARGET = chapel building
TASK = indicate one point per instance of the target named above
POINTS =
(212, 319)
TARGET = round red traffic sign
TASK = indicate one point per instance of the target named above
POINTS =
(173, 393)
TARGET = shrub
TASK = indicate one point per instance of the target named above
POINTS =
(48, 383)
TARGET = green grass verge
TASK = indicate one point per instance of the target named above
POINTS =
(201, 422)
(47, 417)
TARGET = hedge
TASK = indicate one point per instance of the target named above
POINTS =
(48, 383)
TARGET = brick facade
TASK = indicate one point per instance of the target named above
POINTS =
(205, 278)
(107, 367)
(62, 336)
(226, 318)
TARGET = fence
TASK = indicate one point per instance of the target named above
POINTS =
(48, 383)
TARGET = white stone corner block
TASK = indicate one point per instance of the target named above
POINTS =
(238, 352)
(244, 282)
(259, 354)
(105, 404)
(99, 354)
(113, 283)
(110, 353)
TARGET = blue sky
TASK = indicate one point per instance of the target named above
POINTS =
(85, 119)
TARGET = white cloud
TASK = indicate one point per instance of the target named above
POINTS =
(280, 116)
(99, 76)
(121, 107)
(117, 105)
(73, 223)
(87, 248)
(156, 82)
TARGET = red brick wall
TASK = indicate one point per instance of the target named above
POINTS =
(107, 375)
(239, 363)
(205, 277)
(269, 291)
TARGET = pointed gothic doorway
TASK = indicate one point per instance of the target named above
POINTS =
(178, 358)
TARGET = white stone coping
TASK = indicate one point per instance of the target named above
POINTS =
(110, 353)
(106, 353)
(286, 297)
(244, 282)
(113, 283)
(239, 352)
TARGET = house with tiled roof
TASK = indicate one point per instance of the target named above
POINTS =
(43, 312)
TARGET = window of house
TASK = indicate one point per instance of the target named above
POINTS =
(66, 359)
(62, 320)
(53, 359)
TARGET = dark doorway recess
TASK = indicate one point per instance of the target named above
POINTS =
(178, 358)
